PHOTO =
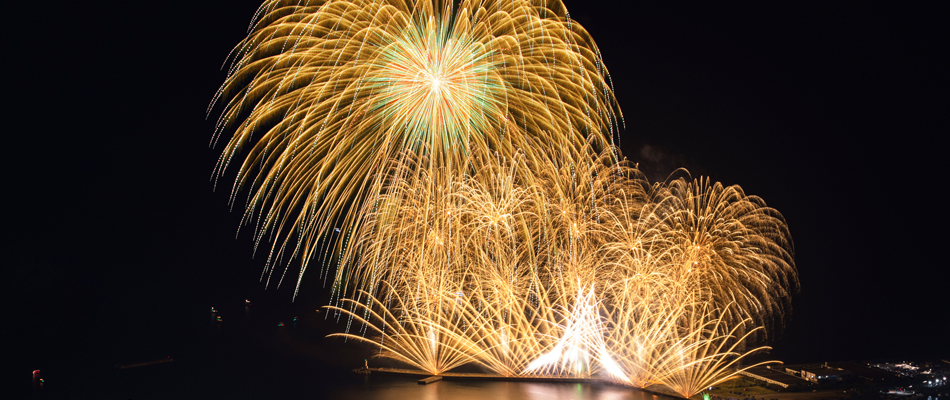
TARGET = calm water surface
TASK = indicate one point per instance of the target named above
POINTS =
(402, 388)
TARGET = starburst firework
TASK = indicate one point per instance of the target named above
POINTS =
(324, 96)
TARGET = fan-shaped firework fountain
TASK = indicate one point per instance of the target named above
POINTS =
(465, 151)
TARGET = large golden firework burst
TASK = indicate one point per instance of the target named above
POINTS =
(322, 96)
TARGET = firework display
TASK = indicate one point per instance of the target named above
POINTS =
(452, 164)
(324, 94)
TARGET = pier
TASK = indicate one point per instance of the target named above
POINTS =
(431, 379)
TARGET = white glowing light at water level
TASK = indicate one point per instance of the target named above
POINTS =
(583, 331)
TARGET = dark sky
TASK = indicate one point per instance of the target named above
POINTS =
(833, 114)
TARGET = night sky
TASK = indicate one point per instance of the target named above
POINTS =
(833, 114)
